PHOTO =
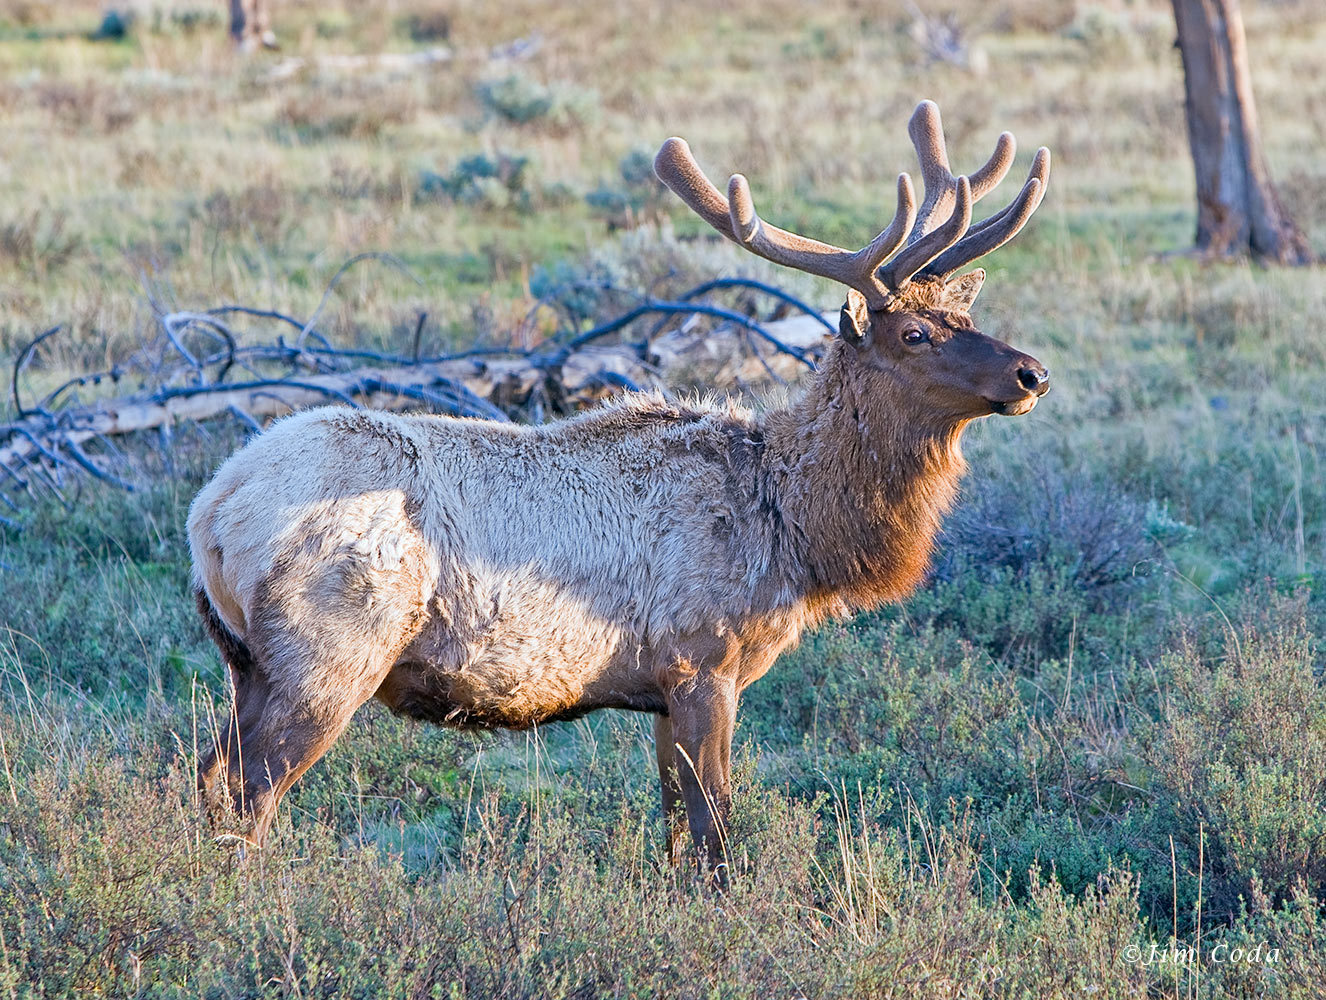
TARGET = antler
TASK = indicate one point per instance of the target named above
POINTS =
(939, 250)
(735, 217)
(930, 247)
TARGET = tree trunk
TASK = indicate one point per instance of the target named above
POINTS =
(250, 24)
(1238, 211)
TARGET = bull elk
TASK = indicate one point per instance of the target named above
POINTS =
(649, 554)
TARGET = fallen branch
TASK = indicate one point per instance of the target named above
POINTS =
(490, 383)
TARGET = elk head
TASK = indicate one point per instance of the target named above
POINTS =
(907, 318)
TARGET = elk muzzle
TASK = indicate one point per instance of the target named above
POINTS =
(1033, 378)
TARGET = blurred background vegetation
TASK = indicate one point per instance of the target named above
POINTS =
(1100, 727)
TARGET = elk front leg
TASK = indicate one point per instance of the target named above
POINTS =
(701, 716)
(670, 788)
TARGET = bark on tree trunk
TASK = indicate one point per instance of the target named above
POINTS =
(1238, 211)
(250, 24)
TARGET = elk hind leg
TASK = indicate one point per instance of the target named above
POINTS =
(288, 740)
(674, 813)
(221, 769)
(274, 734)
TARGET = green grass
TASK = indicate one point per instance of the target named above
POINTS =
(1100, 726)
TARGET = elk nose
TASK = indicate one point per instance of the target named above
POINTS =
(1034, 377)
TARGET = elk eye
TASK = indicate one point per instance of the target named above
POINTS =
(915, 335)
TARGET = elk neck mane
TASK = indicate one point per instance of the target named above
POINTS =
(861, 480)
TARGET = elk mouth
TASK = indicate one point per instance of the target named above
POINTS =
(1033, 377)
(1014, 407)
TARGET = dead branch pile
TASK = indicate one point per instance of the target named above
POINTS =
(197, 369)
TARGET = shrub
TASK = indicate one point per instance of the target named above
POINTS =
(637, 192)
(91, 106)
(1238, 758)
(430, 26)
(519, 100)
(320, 115)
(37, 243)
(265, 209)
(1041, 559)
(495, 181)
(114, 886)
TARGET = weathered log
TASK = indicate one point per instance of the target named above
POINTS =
(477, 386)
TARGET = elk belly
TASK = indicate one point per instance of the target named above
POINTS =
(512, 649)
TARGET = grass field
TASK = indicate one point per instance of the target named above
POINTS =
(1088, 759)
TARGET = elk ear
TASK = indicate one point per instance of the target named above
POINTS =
(854, 320)
(961, 292)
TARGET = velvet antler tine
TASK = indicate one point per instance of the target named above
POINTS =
(915, 256)
(926, 129)
(736, 218)
(984, 180)
(883, 245)
(780, 246)
(977, 244)
(676, 167)
(933, 240)
(1001, 217)
(741, 209)
(997, 230)
(1040, 167)
(1040, 171)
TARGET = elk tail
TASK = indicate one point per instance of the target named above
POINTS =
(233, 650)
